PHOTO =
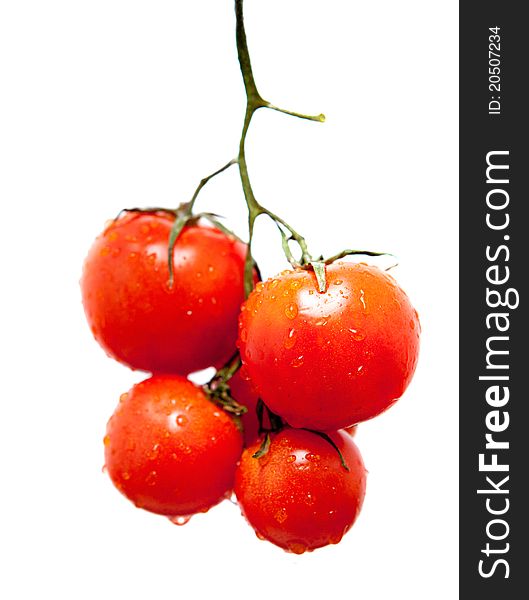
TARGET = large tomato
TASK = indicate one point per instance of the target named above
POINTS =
(329, 360)
(169, 449)
(298, 495)
(143, 322)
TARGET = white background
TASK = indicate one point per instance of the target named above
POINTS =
(109, 104)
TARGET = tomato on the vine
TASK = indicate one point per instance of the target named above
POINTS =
(329, 360)
(144, 322)
(169, 449)
(298, 495)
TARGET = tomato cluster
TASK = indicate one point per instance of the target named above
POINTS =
(314, 364)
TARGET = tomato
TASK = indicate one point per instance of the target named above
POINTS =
(298, 495)
(329, 360)
(169, 449)
(143, 322)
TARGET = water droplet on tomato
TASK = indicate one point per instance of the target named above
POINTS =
(291, 458)
(189, 313)
(125, 475)
(213, 300)
(244, 335)
(151, 478)
(363, 300)
(112, 235)
(309, 499)
(290, 340)
(322, 322)
(358, 335)
(338, 282)
(151, 258)
(123, 397)
(295, 285)
(181, 420)
(360, 371)
(297, 547)
(291, 310)
(311, 457)
(106, 440)
(154, 453)
(259, 287)
(180, 520)
(105, 251)
(211, 268)
(273, 284)
(133, 255)
(260, 536)
(281, 515)
(297, 362)
(412, 324)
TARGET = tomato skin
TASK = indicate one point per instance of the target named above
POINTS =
(144, 323)
(169, 449)
(298, 495)
(330, 360)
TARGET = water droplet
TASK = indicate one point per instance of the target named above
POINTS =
(412, 324)
(295, 285)
(243, 372)
(363, 300)
(201, 300)
(106, 440)
(338, 282)
(260, 536)
(291, 458)
(358, 335)
(189, 313)
(335, 539)
(133, 255)
(213, 300)
(151, 258)
(104, 469)
(116, 251)
(181, 420)
(290, 340)
(198, 274)
(244, 335)
(125, 475)
(155, 452)
(150, 480)
(360, 371)
(311, 292)
(322, 322)
(291, 311)
(185, 449)
(180, 520)
(311, 457)
(259, 287)
(105, 251)
(112, 236)
(286, 293)
(211, 268)
(309, 499)
(297, 547)
(273, 284)
(281, 515)
(297, 362)
(123, 397)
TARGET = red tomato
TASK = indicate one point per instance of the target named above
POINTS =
(169, 449)
(141, 321)
(298, 495)
(329, 360)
